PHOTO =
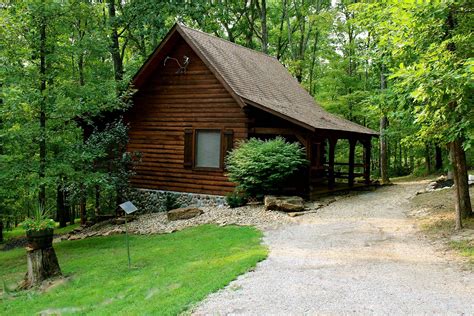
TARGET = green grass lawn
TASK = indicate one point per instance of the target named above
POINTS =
(169, 272)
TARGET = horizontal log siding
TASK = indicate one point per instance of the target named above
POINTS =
(168, 104)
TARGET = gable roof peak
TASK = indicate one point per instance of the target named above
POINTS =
(259, 80)
(184, 27)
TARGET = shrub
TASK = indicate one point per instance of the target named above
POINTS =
(260, 167)
(236, 199)
(171, 202)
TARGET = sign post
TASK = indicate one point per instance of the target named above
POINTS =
(128, 208)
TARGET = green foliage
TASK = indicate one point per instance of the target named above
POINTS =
(161, 279)
(236, 199)
(39, 221)
(260, 167)
(338, 51)
(170, 202)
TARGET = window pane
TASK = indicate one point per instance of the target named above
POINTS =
(208, 149)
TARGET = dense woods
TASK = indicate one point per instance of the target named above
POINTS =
(405, 69)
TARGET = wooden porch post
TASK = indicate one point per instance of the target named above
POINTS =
(309, 156)
(352, 144)
(367, 149)
(332, 148)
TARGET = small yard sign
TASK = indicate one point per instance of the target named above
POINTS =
(128, 208)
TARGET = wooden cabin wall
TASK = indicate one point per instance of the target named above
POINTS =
(168, 104)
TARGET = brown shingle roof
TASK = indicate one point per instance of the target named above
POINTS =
(261, 80)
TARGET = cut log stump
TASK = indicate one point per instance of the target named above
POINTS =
(42, 265)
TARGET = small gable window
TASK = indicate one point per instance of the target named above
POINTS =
(208, 149)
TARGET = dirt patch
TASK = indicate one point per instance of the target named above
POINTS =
(434, 215)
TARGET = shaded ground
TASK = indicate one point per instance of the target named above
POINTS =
(434, 215)
(359, 255)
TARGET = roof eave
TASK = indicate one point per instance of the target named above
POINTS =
(285, 117)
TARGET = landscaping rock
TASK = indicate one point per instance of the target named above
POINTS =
(442, 182)
(284, 203)
(184, 213)
(76, 237)
(114, 231)
(121, 220)
(78, 229)
(249, 215)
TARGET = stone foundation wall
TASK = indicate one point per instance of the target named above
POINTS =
(150, 201)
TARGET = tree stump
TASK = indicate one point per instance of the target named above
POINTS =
(42, 265)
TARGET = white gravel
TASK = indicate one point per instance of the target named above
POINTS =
(247, 215)
(158, 223)
(359, 255)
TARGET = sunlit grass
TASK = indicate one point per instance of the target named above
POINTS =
(169, 272)
(465, 248)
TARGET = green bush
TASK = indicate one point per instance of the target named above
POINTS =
(171, 202)
(236, 199)
(260, 167)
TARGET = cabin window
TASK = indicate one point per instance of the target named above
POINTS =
(207, 149)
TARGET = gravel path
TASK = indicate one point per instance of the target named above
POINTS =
(359, 255)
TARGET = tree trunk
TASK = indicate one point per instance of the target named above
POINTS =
(458, 156)
(384, 150)
(301, 45)
(313, 63)
(400, 155)
(42, 265)
(115, 45)
(67, 209)
(460, 175)
(405, 157)
(438, 158)
(82, 206)
(395, 157)
(457, 214)
(250, 14)
(42, 116)
(383, 137)
(61, 209)
(263, 17)
(280, 33)
(97, 200)
(428, 158)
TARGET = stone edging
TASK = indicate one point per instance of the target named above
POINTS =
(150, 201)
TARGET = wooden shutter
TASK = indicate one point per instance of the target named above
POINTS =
(188, 148)
(228, 143)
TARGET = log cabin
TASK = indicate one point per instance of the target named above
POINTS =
(198, 95)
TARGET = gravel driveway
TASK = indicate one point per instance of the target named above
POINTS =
(359, 255)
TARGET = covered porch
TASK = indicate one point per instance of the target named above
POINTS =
(338, 161)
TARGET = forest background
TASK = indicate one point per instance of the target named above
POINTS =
(404, 68)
